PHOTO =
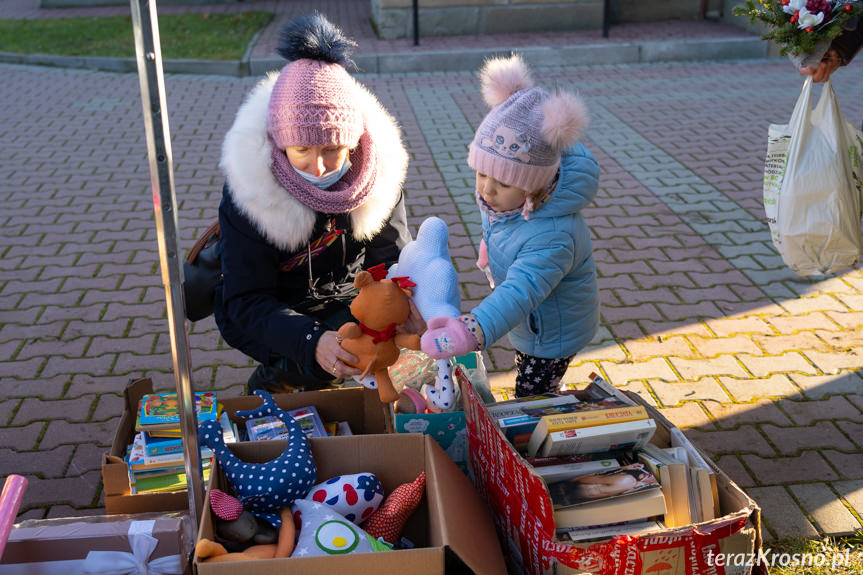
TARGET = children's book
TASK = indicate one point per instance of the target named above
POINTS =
(271, 427)
(161, 411)
(154, 445)
(164, 483)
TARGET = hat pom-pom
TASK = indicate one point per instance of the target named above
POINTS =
(564, 120)
(314, 38)
(503, 77)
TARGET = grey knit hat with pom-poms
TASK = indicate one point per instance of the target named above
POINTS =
(313, 102)
(520, 141)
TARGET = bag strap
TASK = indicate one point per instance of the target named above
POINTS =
(208, 238)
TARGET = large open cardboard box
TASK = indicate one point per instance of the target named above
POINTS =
(452, 529)
(521, 506)
(359, 406)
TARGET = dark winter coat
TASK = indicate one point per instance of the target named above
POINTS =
(259, 307)
(848, 43)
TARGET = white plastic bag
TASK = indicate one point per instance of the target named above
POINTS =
(812, 186)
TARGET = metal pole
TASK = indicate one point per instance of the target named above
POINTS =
(416, 7)
(145, 25)
(606, 17)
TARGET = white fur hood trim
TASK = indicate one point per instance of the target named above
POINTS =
(279, 216)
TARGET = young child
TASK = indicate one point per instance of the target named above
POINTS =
(532, 181)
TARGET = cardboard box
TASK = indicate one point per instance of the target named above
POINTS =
(360, 407)
(98, 544)
(521, 506)
(448, 429)
(452, 529)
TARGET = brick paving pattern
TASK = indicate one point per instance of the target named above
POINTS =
(762, 368)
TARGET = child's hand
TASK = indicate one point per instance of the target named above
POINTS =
(415, 322)
(447, 337)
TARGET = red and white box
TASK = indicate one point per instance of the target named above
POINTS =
(521, 507)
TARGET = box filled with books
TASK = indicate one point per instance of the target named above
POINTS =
(601, 482)
(145, 469)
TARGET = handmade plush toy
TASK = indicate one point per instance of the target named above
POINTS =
(380, 306)
(387, 522)
(324, 532)
(355, 496)
(427, 261)
(267, 489)
(237, 528)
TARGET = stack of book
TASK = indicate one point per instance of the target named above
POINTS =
(517, 421)
(155, 457)
(271, 427)
(593, 450)
(625, 493)
(593, 425)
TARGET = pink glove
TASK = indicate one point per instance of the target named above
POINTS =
(447, 337)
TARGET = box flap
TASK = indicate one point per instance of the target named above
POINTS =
(360, 407)
(460, 515)
(146, 503)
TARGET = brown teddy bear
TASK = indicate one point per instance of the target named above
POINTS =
(380, 306)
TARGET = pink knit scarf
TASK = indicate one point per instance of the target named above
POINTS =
(342, 197)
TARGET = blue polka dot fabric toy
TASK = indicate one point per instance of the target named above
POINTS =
(265, 488)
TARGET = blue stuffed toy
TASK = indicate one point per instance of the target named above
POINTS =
(426, 260)
(267, 489)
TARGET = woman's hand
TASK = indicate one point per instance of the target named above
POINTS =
(829, 64)
(415, 322)
(332, 357)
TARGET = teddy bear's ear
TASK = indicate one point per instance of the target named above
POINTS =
(363, 279)
(409, 292)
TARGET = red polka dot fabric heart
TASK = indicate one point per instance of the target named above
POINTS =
(387, 522)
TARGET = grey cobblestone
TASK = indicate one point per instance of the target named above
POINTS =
(699, 312)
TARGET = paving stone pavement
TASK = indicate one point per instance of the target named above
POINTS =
(763, 369)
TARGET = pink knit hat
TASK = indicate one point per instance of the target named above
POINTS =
(313, 102)
(520, 141)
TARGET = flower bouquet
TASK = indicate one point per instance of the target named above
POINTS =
(802, 28)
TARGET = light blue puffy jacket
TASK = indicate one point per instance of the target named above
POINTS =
(545, 291)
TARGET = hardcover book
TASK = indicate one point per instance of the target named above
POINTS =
(162, 410)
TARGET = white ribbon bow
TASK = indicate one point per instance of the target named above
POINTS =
(137, 562)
